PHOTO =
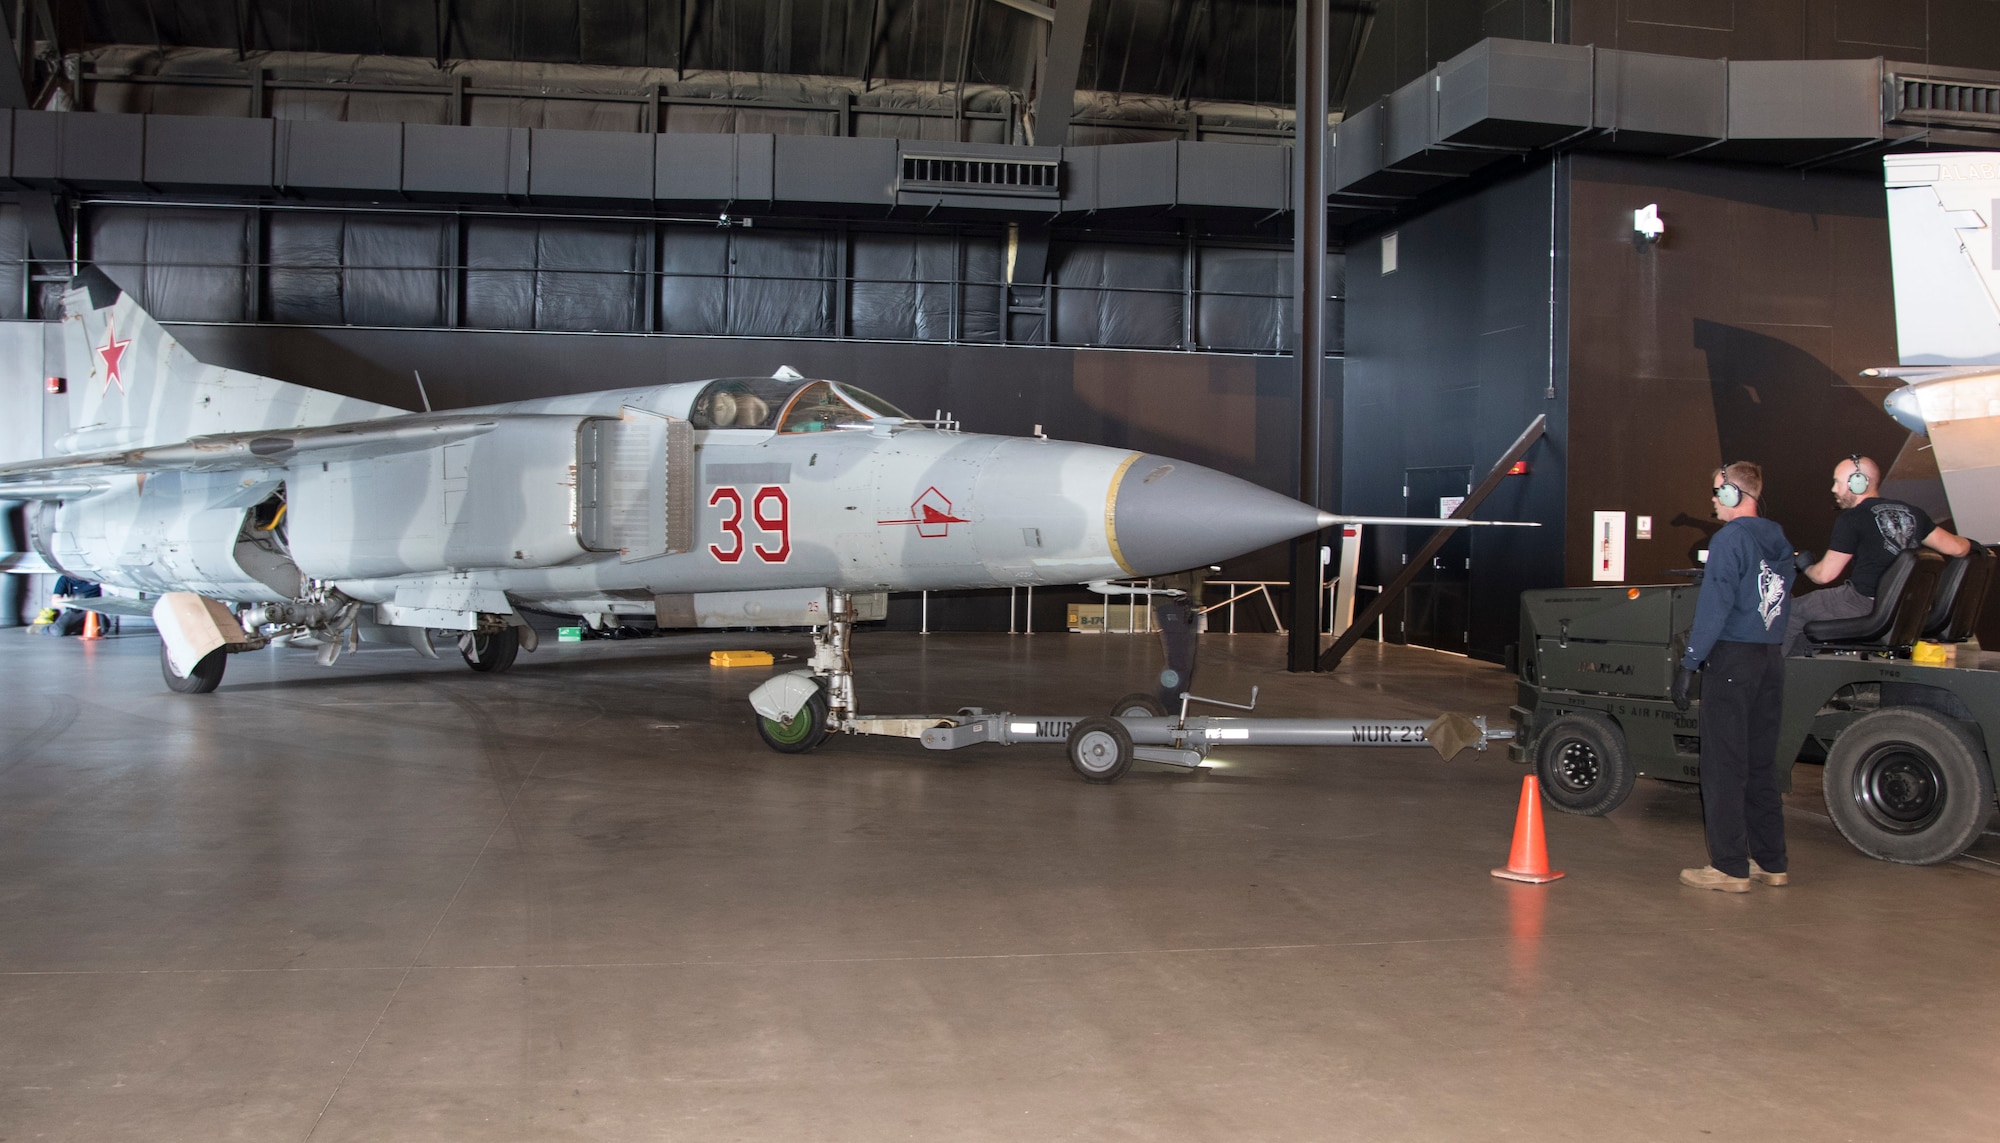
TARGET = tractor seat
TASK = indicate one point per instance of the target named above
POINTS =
(1961, 596)
(1902, 607)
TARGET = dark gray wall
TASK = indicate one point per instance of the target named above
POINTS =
(1448, 359)
(1409, 37)
(1951, 33)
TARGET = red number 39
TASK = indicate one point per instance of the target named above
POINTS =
(770, 510)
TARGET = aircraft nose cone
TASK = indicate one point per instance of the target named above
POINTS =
(1168, 516)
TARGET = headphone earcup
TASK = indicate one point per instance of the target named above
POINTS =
(1729, 496)
(1857, 482)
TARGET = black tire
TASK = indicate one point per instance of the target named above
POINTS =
(206, 676)
(1100, 749)
(1583, 764)
(1908, 785)
(491, 651)
(801, 733)
(1139, 704)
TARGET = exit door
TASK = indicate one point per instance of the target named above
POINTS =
(1437, 607)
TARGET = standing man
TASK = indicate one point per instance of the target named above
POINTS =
(1739, 622)
(1870, 531)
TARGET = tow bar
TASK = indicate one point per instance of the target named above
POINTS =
(1102, 748)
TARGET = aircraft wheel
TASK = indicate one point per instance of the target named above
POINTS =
(1909, 786)
(1584, 764)
(1139, 704)
(205, 677)
(800, 733)
(489, 651)
(1100, 749)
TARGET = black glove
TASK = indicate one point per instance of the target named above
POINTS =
(1683, 683)
(1803, 560)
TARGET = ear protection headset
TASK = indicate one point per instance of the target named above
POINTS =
(1857, 481)
(1728, 494)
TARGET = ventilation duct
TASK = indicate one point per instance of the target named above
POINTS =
(1953, 102)
(1029, 178)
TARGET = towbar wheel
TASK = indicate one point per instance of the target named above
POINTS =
(1100, 749)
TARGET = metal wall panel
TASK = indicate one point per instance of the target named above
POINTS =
(809, 168)
(1357, 147)
(1411, 124)
(1661, 103)
(465, 161)
(1137, 175)
(1234, 175)
(1512, 94)
(102, 150)
(694, 168)
(754, 168)
(339, 156)
(37, 147)
(1805, 99)
(591, 165)
(194, 151)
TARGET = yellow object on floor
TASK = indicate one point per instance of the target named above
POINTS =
(740, 659)
(1934, 654)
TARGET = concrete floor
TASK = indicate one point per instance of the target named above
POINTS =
(395, 900)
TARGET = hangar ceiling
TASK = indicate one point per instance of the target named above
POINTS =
(1233, 50)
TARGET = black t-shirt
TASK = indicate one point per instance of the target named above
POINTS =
(1874, 532)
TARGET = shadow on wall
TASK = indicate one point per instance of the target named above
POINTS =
(1785, 409)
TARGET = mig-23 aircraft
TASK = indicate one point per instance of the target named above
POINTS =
(258, 512)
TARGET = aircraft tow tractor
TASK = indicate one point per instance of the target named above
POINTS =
(797, 711)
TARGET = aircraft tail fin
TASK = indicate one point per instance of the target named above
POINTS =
(1943, 252)
(131, 384)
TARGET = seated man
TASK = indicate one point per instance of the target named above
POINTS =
(1870, 531)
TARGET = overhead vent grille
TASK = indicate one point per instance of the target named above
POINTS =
(1031, 178)
(1953, 102)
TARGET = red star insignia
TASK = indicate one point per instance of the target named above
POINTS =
(111, 351)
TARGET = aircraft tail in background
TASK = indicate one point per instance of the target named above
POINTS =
(131, 384)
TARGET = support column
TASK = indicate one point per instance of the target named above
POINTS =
(1309, 300)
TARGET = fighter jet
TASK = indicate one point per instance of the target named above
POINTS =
(248, 511)
(1942, 243)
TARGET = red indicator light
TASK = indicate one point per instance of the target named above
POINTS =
(1520, 468)
(55, 385)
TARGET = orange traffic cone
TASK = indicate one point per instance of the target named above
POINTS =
(1529, 860)
(90, 630)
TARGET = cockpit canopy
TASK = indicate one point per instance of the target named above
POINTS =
(788, 405)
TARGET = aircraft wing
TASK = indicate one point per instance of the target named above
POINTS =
(58, 477)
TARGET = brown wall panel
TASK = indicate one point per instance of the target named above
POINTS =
(1739, 336)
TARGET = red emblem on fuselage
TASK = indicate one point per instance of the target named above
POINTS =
(931, 515)
(111, 351)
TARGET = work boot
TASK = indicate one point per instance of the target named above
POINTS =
(1759, 873)
(1709, 877)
